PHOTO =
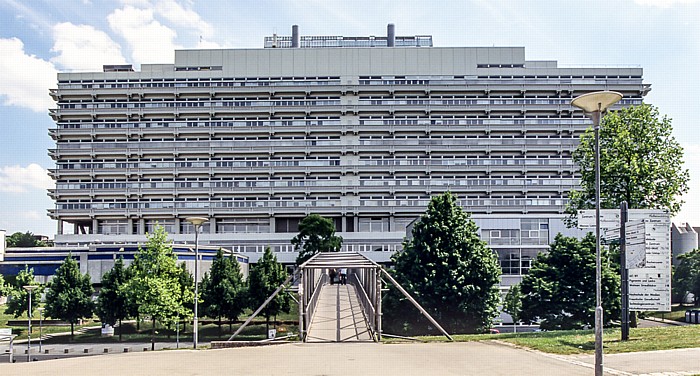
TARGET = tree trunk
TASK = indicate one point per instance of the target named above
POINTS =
(120, 330)
(153, 334)
(72, 325)
(138, 323)
(267, 325)
(220, 333)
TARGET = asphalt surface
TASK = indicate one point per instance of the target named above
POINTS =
(346, 359)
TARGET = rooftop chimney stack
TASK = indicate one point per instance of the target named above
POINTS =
(390, 35)
(295, 36)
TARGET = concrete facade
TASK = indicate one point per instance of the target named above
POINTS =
(255, 139)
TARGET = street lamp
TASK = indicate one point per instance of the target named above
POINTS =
(594, 105)
(197, 222)
(41, 324)
(29, 289)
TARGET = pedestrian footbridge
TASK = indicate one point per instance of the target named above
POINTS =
(336, 312)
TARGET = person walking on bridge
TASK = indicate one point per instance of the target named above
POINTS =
(343, 276)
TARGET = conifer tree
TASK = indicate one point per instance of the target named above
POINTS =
(69, 295)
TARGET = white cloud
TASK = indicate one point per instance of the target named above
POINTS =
(18, 179)
(179, 16)
(82, 47)
(665, 3)
(25, 79)
(150, 41)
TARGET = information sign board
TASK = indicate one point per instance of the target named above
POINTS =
(650, 281)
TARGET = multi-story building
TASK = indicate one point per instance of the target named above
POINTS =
(360, 130)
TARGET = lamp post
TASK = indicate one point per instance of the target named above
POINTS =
(41, 324)
(594, 105)
(29, 289)
(197, 222)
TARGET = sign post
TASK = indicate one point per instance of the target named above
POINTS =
(645, 256)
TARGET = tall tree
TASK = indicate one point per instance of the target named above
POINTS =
(112, 303)
(316, 234)
(559, 288)
(686, 277)
(69, 295)
(223, 289)
(265, 277)
(512, 303)
(19, 297)
(186, 281)
(24, 240)
(452, 273)
(640, 162)
(155, 286)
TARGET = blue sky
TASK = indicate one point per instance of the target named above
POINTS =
(41, 37)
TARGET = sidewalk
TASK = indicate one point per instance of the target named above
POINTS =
(347, 359)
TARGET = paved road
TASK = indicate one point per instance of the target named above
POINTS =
(663, 363)
(347, 359)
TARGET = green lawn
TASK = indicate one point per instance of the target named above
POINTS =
(207, 333)
(677, 313)
(21, 331)
(583, 341)
(255, 331)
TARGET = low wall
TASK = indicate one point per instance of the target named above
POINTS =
(35, 321)
(233, 344)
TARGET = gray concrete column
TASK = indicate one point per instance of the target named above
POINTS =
(273, 229)
(392, 223)
(76, 228)
(343, 224)
(95, 223)
(59, 227)
(177, 226)
(142, 226)
(212, 225)
(130, 226)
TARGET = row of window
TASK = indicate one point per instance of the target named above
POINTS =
(279, 163)
(280, 103)
(303, 202)
(389, 161)
(466, 121)
(326, 183)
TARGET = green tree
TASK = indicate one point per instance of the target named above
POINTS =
(223, 289)
(512, 303)
(316, 234)
(265, 277)
(186, 281)
(154, 287)
(640, 162)
(24, 240)
(452, 273)
(559, 288)
(69, 295)
(112, 303)
(19, 297)
(3, 287)
(686, 277)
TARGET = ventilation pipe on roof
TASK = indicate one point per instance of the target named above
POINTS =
(295, 36)
(390, 35)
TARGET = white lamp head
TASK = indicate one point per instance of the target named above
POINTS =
(197, 221)
(596, 101)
